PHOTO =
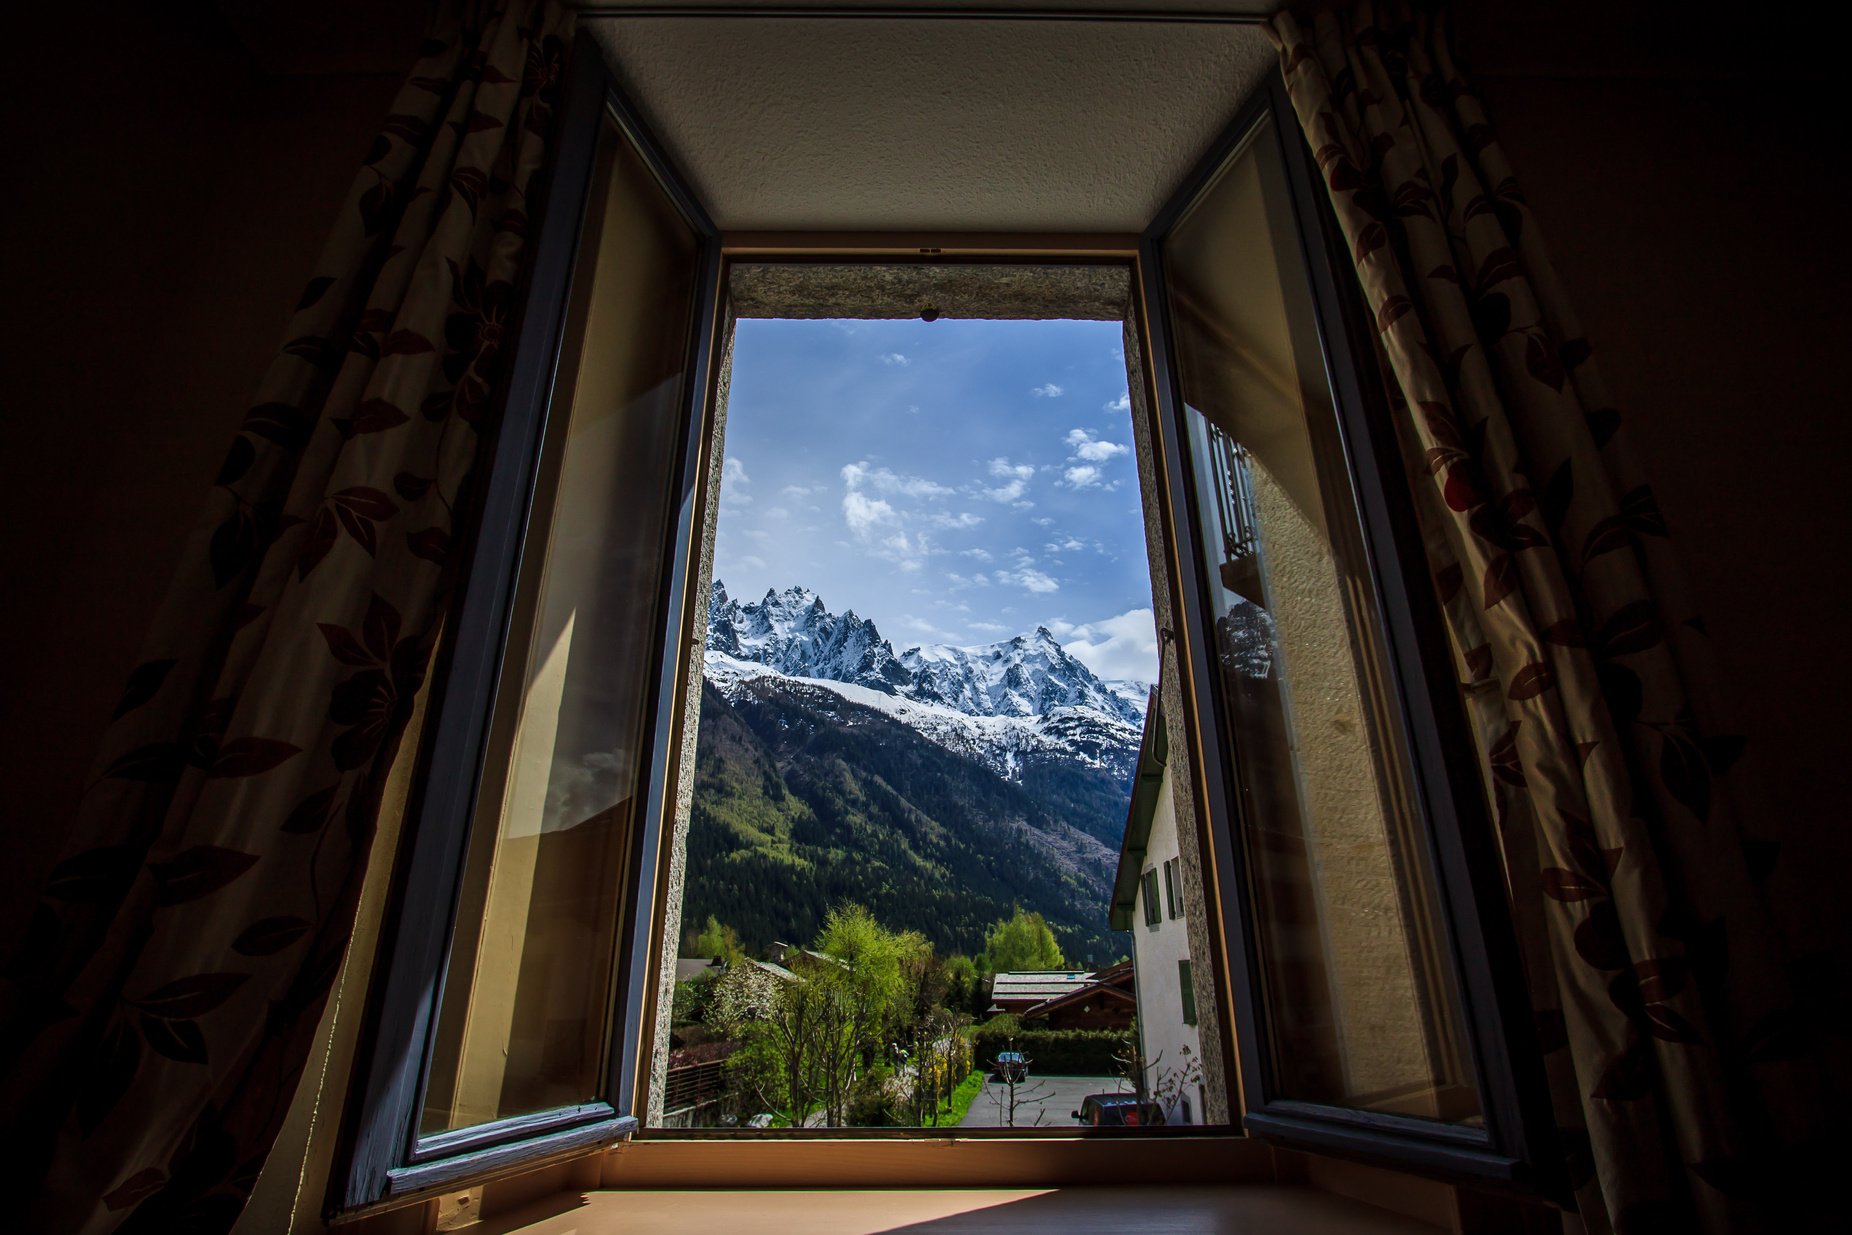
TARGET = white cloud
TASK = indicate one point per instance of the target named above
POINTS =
(1042, 521)
(1015, 477)
(881, 529)
(989, 628)
(777, 512)
(734, 482)
(1117, 648)
(756, 563)
(1121, 404)
(982, 555)
(887, 481)
(1082, 477)
(799, 492)
(1070, 545)
(1047, 390)
(1029, 579)
(895, 358)
(910, 622)
(1091, 449)
(963, 519)
(863, 513)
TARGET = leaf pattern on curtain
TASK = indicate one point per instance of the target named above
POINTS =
(1680, 1067)
(163, 1003)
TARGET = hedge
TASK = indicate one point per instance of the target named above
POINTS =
(1054, 1052)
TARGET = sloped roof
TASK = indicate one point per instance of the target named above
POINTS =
(1091, 991)
(1038, 984)
(1153, 754)
(688, 968)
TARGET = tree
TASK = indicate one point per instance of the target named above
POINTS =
(963, 988)
(1022, 942)
(716, 940)
(861, 991)
(1014, 1087)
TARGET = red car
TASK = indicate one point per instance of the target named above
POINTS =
(1118, 1110)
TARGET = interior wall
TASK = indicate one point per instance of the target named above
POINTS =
(167, 202)
(1689, 178)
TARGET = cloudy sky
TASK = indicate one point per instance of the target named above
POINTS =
(958, 482)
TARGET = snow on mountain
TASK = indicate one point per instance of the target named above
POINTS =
(791, 631)
(1029, 675)
(1004, 704)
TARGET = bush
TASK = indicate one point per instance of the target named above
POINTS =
(1054, 1052)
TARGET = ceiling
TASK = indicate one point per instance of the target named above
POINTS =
(933, 124)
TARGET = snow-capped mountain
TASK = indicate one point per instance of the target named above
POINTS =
(1029, 675)
(1010, 704)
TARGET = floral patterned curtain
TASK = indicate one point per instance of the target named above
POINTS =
(162, 1006)
(1680, 1066)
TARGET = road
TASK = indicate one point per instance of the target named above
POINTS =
(1050, 1097)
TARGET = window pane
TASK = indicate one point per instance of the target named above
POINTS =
(1152, 914)
(1359, 1004)
(526, 1012)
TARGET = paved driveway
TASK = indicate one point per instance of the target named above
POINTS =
(1052, 1098)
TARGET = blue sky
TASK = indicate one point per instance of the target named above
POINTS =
(956, 481)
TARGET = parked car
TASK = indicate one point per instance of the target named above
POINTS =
(1118, 1110)
(1011, 1066)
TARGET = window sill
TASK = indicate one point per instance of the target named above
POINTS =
(1064, 1211)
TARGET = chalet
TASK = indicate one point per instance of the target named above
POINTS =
(1023, 989)
(1148, 901)
(1105, 1001)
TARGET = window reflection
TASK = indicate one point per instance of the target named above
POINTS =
(1360, 1010)
(526, 1013)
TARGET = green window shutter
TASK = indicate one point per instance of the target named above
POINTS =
(1152, 913)
(1189, 992)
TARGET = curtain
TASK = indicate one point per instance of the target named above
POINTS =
(1681, 1066)
(162, 1005)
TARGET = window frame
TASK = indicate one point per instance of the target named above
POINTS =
(382, 1164)
(1440, 749)
(383, 1160)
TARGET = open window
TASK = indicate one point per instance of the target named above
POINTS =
(1360, 974)
(1377, 1002)
(514, 974)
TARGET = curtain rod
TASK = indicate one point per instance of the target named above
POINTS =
(865, 12)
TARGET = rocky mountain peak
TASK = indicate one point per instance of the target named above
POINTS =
(795, 633)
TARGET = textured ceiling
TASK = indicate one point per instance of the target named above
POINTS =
(935, 125)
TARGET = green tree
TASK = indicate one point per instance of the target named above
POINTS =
(716, 941)
(963, 987)
(1022, 942)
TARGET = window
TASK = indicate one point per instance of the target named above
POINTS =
(1361, 968)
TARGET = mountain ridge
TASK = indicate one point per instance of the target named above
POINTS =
(795, 633)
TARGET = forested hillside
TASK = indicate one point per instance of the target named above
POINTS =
(805, 800)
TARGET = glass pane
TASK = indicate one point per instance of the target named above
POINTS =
(1361, 1010)
(526, 1015)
